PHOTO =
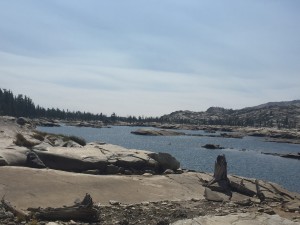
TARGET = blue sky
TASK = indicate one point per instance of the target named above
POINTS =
(141, 57)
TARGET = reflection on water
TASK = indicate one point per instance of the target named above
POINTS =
(243, 155)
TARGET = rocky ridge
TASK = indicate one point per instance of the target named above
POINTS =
(274, 114)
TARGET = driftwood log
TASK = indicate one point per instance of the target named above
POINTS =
(83, 211)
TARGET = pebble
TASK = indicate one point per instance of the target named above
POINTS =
(11, 223)
(113, 202)
(147, 175)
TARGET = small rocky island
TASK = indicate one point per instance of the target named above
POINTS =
(56, 179)
(152, 132)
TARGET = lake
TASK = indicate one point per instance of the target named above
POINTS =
(243, 155)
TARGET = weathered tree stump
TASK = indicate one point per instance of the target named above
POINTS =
(83, 211)
(220, 177)
(225, 185)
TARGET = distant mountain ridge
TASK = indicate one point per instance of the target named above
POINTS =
(285, 114)
(283, 103)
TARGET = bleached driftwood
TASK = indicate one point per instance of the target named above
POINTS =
(83, 211)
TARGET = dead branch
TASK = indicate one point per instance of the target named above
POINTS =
(241, 189)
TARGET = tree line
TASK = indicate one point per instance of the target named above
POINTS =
(21, 105)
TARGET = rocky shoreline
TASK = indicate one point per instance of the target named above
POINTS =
(128, 186)
(174, 212)
(290, 155)
(269, 134)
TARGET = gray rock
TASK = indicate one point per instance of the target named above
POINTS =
(128, 172)
(67, 163)
(147, 174)
(132, 162)
(289, 155)
(267, 210)
(292, 206)
(48, 123)
(113, 202)
(93, 172)
(237, 219)
(169, 171)
(44, 146)
(213, 196)
(71, 144)
(58, 142)
(244, 202)
(112, 169)
(212, 146)
(22, 121)
(3, 161)
(34, 161)
(53, 223)
(165, 161)
(14, 156)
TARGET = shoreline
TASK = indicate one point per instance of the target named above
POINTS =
(271, 134)
(163, 193)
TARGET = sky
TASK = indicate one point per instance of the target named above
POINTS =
(150, 57)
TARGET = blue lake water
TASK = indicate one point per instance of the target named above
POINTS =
(243, 155)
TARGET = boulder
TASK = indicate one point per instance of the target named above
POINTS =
(3, 161)
(14, 156)
(212, 146)
(98, 156)
(34, 161)
(44, 146)
(112, 169)
(22, 121)
(292, 206)
(165, 161)
(215, 196)
(169, 171)
(71, 144)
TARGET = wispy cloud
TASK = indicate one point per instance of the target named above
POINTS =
(150, 58)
